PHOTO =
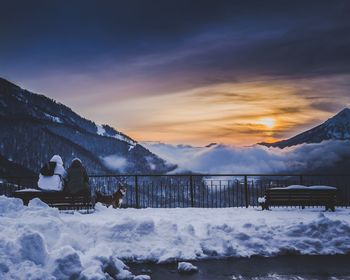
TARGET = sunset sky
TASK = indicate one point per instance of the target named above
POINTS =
(195, 72)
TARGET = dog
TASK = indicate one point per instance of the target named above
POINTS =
(116, 199)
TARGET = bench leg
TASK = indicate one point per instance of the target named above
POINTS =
(25, 202)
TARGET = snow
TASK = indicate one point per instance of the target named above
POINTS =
(186, 267)
(322, 188)
(296, 187)
(100, 130)
(29, 190)
(37, 203)
(39, 242)
(132, 146)
(302, 187)
(123, 138)
(293, 187)
(53, 118)
(142, 277)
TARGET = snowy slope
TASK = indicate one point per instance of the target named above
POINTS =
(48, 127)
(335, 128)
(38, 240)
(105, 130)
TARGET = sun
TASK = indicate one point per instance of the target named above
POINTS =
(268, 122)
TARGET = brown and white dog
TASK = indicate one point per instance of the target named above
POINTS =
(116, 199)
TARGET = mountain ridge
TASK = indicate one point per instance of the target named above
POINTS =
(34, 127)
(335, 128)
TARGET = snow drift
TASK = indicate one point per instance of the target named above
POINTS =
(186, 267)
(38, 242)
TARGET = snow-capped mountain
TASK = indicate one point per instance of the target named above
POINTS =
(335, 128)
(34, 127)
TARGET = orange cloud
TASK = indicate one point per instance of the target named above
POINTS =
(235, 113)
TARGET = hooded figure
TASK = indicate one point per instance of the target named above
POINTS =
(78, 180)
(56, 181)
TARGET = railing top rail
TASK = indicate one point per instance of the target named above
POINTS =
(221, 175)
(196, 175)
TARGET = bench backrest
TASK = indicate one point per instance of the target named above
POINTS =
(303, 195)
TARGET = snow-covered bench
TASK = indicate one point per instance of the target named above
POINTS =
(59, 200)
(297, 195)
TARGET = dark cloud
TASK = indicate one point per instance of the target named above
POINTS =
(329, 106)
(240, 37)
(288, 110)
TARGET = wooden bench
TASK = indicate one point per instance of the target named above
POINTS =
(300, 196)
(60, 200)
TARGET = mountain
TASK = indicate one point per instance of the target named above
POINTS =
(34, 127)
(335, 128)
(9, 168)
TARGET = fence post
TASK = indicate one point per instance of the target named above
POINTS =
(137, 192)
(246, 190)
(301, 179)
(191, 191)
(18, 184)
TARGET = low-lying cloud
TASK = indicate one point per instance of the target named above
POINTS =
(327, 156)
(115, 162)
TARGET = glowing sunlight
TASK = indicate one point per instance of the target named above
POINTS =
(268, 122)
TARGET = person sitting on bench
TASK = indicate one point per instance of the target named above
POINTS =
(52, 175)
(78, 180)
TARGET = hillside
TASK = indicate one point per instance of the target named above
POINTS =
(335, 128)
(34, 127)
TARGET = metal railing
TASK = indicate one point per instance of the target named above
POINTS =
(195, 190)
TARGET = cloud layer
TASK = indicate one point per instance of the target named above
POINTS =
(328, 156)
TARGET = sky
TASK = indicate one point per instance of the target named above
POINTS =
(194, 72)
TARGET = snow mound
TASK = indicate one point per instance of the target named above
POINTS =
(186, 267)
(10, 205)
(33, 247)
(66, 263)
(38, 242)
(142, 277)
(37, 203)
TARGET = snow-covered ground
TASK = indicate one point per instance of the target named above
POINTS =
(38, 242)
